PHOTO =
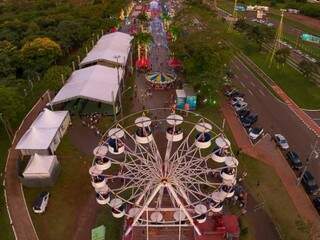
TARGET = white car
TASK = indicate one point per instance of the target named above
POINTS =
(40, 204)
(235, 100)
(255, 133)
(240, 106)
(281, 141)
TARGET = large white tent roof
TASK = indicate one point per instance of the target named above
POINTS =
(49, 119)
(109, 46)
(96, 83)
(40, 166)
(37, 138)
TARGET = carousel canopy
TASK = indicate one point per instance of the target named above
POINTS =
(109, 46)
(95, 83)
(161, 78)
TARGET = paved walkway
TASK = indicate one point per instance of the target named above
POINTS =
(265, 151)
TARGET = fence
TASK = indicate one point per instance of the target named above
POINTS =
(20, 219)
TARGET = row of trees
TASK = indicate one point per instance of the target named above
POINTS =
(203, 52)
(260, 34)
(37, 39)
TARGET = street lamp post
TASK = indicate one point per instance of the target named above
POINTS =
(314, 154)
(119, 84)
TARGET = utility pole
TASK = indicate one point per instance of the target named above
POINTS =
(119, 84)
(313, 155)
(278, 38)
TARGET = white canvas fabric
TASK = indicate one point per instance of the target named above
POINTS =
(49, 119)
(40, 166)
(109, 46)
(96, 83)
(37, 138)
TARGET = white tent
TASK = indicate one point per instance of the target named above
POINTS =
(107, 48)
(37, 140)
(96, 83)
(44, 134)
(40, 166)
(50, 119)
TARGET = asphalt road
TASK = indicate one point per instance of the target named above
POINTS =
(274, 115)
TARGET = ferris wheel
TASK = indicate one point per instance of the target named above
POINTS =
(166, 171)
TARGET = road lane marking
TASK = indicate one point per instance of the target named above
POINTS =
(242, 84)
(250, 92)
(262, 93)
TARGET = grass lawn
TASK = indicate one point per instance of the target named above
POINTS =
(303, 91)
(277, 201)
(6, 230)
(68, 196)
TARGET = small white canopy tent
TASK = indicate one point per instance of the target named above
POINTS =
(43, 136)
(41, 171)
(107, 48)
(96, 83)
(40, 166)
(53, 119)
(37, 140)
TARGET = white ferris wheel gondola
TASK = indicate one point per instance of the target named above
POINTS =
(203, 138)
(179, 216)
(143, 133)
(174, 132)
(201, 210)
(156, 217)
(115, 141)
(118, 209)
(103, 195)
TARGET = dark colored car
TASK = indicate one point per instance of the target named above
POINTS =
(309, 183)
(249, 120)
(243, 113)
(294, 160)
(316, 203)
(233, 93)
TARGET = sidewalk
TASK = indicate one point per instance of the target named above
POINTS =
(266, 152)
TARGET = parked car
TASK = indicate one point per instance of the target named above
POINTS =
(243, 113)
(233, 93)
(281, 141)
(235, 100)
(41, 202)
(240, 106)
(255, 133)
(309, 183)
(294, 160)
(316, 203)
(229, 92)
(249, 120)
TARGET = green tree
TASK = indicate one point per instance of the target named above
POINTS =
(260, 34)
(39, 54)
(71, 34)
(282, 55)
(52, 78)
(12, 104)
(8, 61)
(307, 68)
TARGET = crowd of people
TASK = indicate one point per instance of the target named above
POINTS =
(91, 121)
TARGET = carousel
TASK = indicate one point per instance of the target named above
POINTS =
(161, 80)
(175, 175)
